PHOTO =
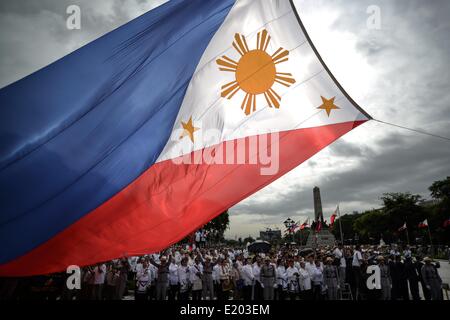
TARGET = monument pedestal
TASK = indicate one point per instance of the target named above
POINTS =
(320, 239)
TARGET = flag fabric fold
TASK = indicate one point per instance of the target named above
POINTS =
(152, 132)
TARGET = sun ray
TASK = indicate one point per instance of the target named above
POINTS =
(230, 89)
(277, 52)
(263, 40)
(240, 44)
(249, 104)
(285, 79)
(227, 64)
(281, 56)
(229, 60)
(272, 98)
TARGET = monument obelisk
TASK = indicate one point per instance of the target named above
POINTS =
(323, 237)
(318, 213)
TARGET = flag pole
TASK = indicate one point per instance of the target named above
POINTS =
(407, 235)
(301, 237)
(429, 234)
(340, 225)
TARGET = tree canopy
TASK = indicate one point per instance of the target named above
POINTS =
(400, 208)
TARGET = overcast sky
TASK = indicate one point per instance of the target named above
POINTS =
(398, 73)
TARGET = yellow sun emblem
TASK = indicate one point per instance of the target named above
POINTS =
(255, 72)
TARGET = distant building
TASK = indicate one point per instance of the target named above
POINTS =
(270, 235)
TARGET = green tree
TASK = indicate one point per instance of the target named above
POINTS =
(440, 211)
(441, 189)
(397, 209)
(347, 221)
(401, 208)
(371, 226)
(218, 226)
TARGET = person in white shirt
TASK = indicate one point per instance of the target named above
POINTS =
(248, 277)
(198, 238)
(239, 262)
(184, 278)
(357, 257)
(231, 255)
(297, 262)
(225, 281)
(174, 280)
(99, 280)
(339, 255)
(281, 280)
(310, 265)
(196, 272)
(305, 282)
(317, 281)
(137, 267)
(356, 268)
(208, 281)
(143, 281)
(203, 239)
(292, 275)
(216, 275)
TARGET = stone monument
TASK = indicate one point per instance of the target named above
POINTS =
(318, 213)
(324, 237)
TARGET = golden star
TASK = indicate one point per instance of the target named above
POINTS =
(189, 129)
(328, 105)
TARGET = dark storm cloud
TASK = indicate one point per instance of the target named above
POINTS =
(400, 164)
(33, 33)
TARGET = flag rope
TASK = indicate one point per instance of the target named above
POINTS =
(413, 130)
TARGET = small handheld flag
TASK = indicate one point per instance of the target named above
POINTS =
(403, 227)
(423, 224)
(305, 224)
(319, 226)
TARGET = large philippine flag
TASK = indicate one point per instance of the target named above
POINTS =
(129, 144)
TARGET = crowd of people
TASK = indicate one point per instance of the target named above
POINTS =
(287, 273)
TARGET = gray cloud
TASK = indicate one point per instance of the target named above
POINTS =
(388, 169)
(33, 33)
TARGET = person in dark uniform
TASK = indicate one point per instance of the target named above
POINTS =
(386, 280)
(412, 277)
(268, 277)
(419, 265)
(432, 280)
(399, 280)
